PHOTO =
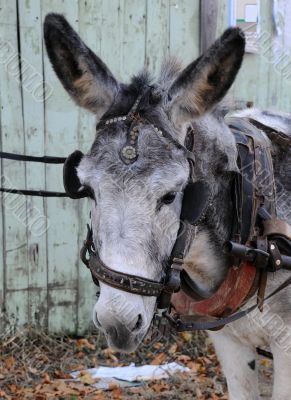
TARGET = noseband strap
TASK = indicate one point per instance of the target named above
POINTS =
(119, 280)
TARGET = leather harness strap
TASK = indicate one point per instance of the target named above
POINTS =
(45, 160)
(254, 187)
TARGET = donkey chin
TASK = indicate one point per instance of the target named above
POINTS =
(124, 318)
(124, 343)
(120, 339)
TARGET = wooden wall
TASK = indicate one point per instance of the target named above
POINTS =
(42, 280)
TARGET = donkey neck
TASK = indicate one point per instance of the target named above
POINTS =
(205, 263)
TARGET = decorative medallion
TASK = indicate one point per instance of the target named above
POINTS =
(129, 152)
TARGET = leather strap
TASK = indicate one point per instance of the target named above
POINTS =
(21, 157)
(183, 323)
(227, 299)
(44, 159)
(119, 280)
(276, 226)
(40, 193)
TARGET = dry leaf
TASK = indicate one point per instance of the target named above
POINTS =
(194, 366)
(186, 336)
(46, 378)
(86, 379)
(9, 362)
(160, 387)
(116, 393)
(76, 367)
(159, 359)
(183, 358)
(61, 375)
(113, 385)
(173, 348)
(85, 343)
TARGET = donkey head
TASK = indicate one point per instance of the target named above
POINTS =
(137, 195)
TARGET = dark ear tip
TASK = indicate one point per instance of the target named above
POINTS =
(53, 20)
(234, 35)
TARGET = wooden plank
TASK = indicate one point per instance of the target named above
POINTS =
(61, 133)
(112, 36)
(12, 139)
(208, 23)
(33, 110)
(157, 34)
(185, 29)
(267, 87)
(133, 38)
(222, 17)
(90, 22)
(282, 65)
(2, 258)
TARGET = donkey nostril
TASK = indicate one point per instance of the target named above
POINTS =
(138, 323)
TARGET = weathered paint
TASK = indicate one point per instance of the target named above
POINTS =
(41, 278)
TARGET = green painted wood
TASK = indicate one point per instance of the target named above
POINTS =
(157, 34)
(41, 276)
(111, 50)
(185, 29)
(33, 112)
(89, 18)
(61, 138)
(133, 43)
(262, 79)
(12, 140)
(283, 64)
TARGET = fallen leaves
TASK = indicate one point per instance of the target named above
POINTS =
(36, 366)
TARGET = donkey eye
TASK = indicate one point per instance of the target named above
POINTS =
(169, 198)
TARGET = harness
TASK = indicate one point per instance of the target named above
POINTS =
(260, 242)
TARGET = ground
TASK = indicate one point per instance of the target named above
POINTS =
(36, 365)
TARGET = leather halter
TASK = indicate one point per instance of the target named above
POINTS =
(133, 283)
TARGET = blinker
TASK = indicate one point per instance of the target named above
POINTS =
(195, 202)
(71, 181)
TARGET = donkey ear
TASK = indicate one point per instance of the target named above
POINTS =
(82, 73)
(206, 80)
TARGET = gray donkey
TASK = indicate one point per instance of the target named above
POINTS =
(136, 205)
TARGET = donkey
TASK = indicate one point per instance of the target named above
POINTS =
(136, 206)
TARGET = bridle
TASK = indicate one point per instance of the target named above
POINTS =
(188, 218)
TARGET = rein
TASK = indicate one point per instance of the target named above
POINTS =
(45, 160)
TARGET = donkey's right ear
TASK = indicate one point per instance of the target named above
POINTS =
(82, 73)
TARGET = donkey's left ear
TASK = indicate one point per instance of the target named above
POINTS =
(85, 77)
(206, 80)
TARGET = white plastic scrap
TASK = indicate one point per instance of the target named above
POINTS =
(131, 375)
